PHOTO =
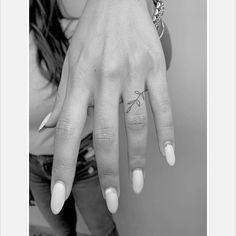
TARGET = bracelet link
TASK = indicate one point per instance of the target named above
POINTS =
(158, 13)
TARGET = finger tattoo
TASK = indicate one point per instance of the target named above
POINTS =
(135, 101)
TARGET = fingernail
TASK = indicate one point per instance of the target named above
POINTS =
(45, 120)
(111, 200)
(170, 154)
(137, 179)
(58, 197)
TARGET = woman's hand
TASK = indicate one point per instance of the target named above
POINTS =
(115, 53)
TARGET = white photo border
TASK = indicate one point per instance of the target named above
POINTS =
(221, 118)
(14, 168)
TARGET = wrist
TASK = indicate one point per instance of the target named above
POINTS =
(146, 3)
(118, 7)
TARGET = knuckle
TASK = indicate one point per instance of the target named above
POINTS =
(165, 106)
(166, 125)
(167, 128)
(157, 57)
(140, 59)
(113, 66)
(61, 167)
(158, 61)
(110, 69)
(166, 132)
(64, 128)
(136, 59)
(136, 122)
(107, 173)
(137, 162)
(104, 137)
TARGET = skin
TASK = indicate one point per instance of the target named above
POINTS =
(109, 58)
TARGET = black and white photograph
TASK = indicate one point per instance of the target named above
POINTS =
(111, 127)
(117, 117)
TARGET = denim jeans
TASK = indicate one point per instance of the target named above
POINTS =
(86, 195)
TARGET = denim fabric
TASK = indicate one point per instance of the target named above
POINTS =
(86, 195)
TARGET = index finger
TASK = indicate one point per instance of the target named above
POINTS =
(66, 145)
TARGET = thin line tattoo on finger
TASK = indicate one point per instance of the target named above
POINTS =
(135, 101)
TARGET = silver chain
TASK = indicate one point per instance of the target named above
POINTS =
(158, 13)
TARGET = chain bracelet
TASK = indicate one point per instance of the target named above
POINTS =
(158, 13)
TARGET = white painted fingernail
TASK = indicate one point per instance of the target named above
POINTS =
(58, 197)
(137, 179)
(44, 122)
(170, 154)
(111, 200)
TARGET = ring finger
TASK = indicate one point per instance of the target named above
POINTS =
(137, 129)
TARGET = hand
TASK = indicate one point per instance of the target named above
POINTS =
(115, 53)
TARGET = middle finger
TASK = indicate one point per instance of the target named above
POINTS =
(106, 143)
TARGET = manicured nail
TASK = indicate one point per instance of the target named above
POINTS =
(44, 122)
(111, 200)
(170, 154)
(58, 197)
(137, 179)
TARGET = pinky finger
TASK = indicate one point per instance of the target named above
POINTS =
(162, 112)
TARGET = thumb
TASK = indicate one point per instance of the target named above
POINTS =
(50, 121)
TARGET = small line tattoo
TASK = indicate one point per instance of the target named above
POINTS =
(135, 101)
